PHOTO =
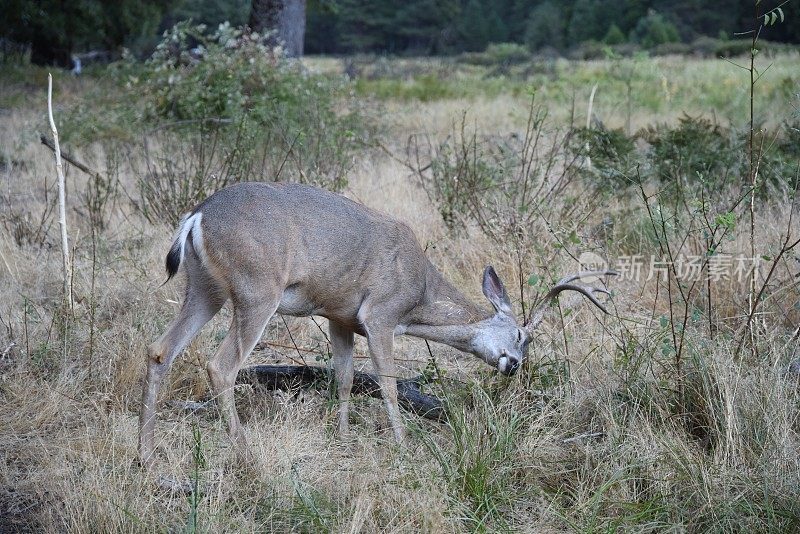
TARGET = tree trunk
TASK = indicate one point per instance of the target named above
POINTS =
(286, 18)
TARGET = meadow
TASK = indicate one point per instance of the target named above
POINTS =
(675, 412)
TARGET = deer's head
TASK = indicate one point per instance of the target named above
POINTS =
(499, 340)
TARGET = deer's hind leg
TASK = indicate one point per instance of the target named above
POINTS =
(251, 313)
(203, 301)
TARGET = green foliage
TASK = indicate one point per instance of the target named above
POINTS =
(695, 148)
(654, 30)
(425, 88)
(418, 26)
(498, 55)
(312, 510)
(695, 154)
(614, 36)
(426, 26)
(494, 182)
(422, 26)
(56, 29)
(789, 143)
(546, 26)
(481, 25)
(507, 53)
(195, 496)
(476, 463)
(774, 16)
(586, 23)
(611, 153)
(462, 173)
(212, 12)
(218, 108)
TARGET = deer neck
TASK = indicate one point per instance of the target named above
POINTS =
(445, 315)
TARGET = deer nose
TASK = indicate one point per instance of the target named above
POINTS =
(507, 365)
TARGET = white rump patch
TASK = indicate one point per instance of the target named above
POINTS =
(191, 223)
(197, 238)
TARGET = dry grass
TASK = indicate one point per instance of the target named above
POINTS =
(591, 436)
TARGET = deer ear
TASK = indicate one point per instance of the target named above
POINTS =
(495, 291)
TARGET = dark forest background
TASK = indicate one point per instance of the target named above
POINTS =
(53, 29)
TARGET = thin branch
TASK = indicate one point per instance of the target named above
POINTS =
(62, 210)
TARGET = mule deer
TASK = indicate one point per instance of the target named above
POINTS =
(302, 251)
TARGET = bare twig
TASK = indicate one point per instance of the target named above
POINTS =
(62, 210)
(68, 157)
(786, 247)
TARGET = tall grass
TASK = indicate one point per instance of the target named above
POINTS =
(604, 429)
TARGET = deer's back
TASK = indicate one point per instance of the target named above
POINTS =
(328, 251)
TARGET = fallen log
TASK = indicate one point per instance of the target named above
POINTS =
(288, 377)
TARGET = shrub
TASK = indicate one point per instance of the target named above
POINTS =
(221, 107)
(497, 54)
(696, 147)
(588, 50)
(653, 29)
(614, 36)
(699, 151)
(611, 153)
(706, 46)
(741, 47)
(507, 53)
(671, 49)
(499, 183)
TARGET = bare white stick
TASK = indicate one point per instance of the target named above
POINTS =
(591, 105)
(62, 209)
(589, 123)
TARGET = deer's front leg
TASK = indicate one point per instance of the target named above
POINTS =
(342, 344)
(380, 342)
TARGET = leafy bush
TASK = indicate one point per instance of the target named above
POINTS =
(614, 36)
(611, 153)
(699, 151)
(507, 53)
(789, 144)
(497, 54)
(696, 147)
(588, 50)
(684, 158)
(232, 109)
(711, 47)
(653, 30)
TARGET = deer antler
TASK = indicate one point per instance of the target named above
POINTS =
(566, 284)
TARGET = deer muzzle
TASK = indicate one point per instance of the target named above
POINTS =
(508, 365)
